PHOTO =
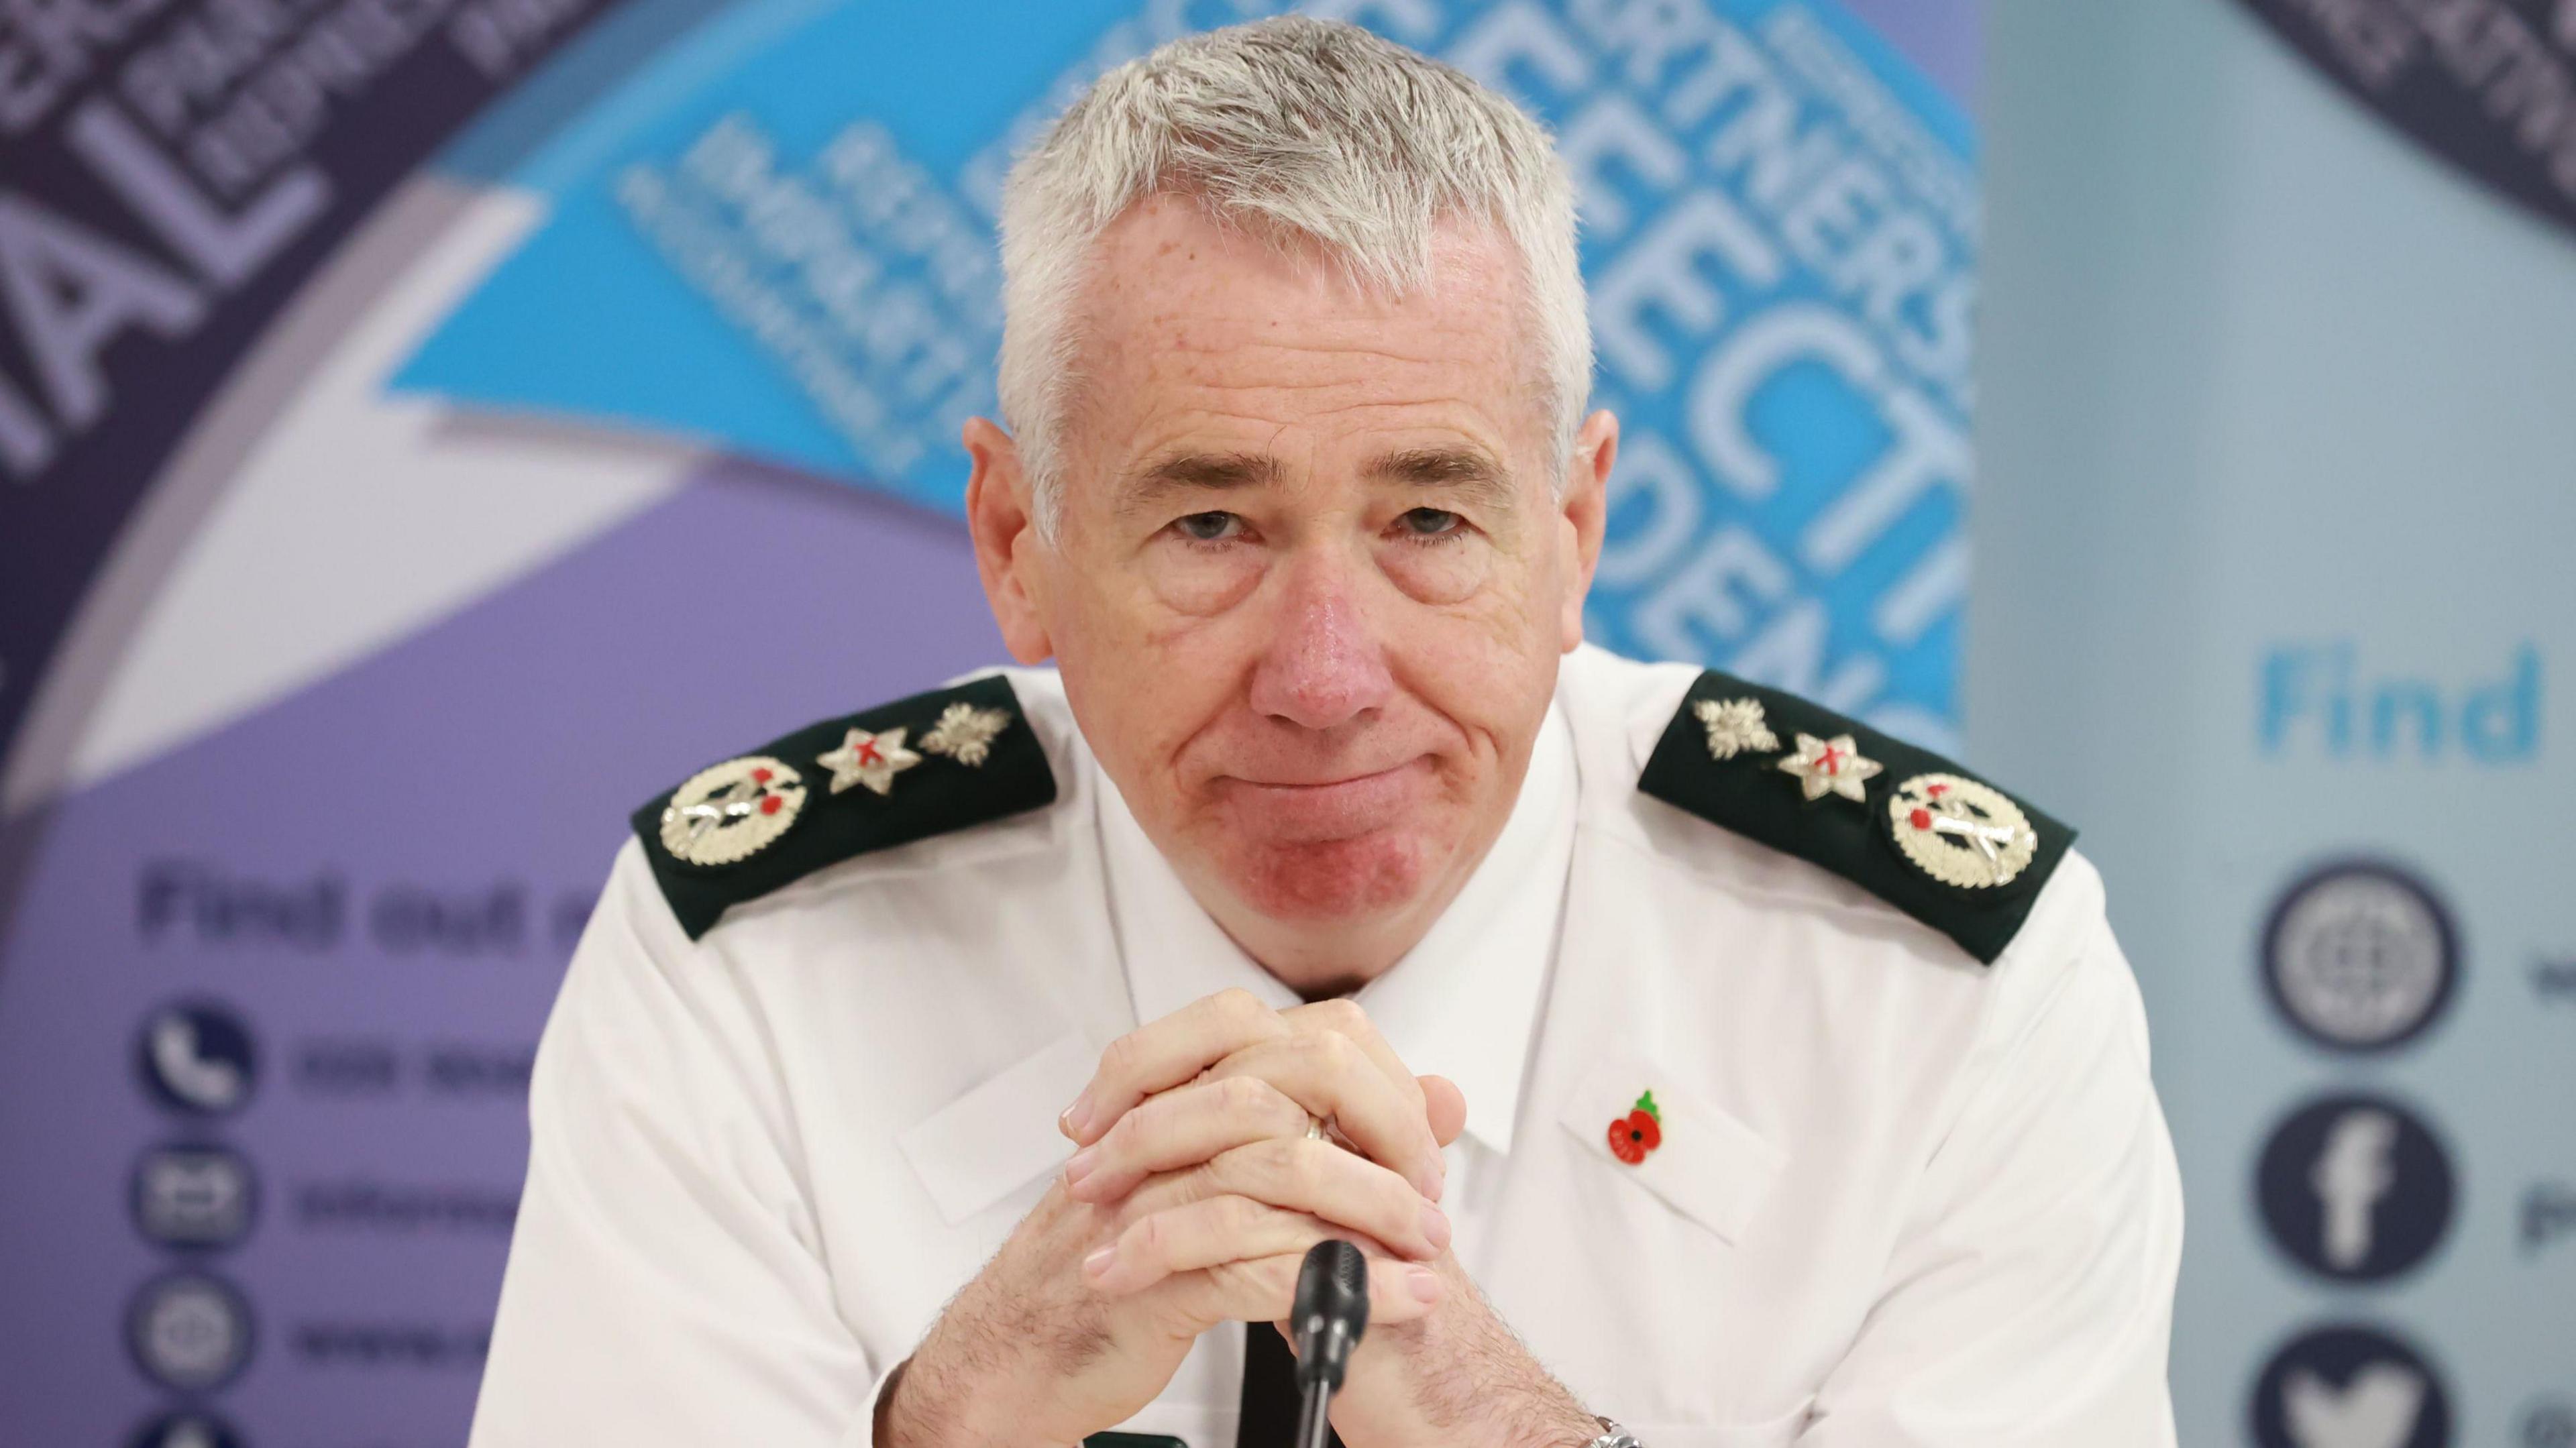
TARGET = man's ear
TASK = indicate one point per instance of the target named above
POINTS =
(1583, 511)
(1000, 520)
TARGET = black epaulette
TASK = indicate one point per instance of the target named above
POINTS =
(1904, 824)
(923, 766)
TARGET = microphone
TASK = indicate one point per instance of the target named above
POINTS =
(1331, 1312)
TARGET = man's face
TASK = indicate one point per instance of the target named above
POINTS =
(1314, 571)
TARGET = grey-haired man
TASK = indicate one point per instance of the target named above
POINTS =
(960, 1071)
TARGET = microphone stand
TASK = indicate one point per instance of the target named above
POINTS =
(1314, 1420)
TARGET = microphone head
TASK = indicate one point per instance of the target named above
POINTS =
(1331, 1310)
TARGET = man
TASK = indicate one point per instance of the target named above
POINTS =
(961, 1071)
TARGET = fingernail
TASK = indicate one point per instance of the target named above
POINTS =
(1097, 1264)
(1079, 1166)
(1425, 1284)
(1077, 1117)
(1435, 1227)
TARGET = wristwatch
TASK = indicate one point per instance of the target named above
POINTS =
(1613, 1436)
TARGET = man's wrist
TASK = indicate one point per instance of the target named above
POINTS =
(878, 1434)
(912, 1413)
(1551, 1406)
(903, 1420)
(1538, 1412)
(1573, 1427)
(930, 1408)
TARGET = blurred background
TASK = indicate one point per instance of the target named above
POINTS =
(430, 429)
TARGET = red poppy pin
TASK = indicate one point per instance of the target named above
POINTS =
(1635, 1135)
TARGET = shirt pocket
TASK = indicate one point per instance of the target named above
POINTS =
(999, 1137)
(1702, 1161)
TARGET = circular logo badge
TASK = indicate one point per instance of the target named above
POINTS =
(189, 1332)
(2355, 1188)
(732, 811)
(1961, 832)
(196, 1058)
(193, 1196)
(185, 1430)
(2360, 956)
(2348, 1384)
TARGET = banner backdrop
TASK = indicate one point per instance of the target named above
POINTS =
(2273, 599)
(434, 425)
(2487, 85)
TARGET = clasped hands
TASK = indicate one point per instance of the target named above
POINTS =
(1191, 1201)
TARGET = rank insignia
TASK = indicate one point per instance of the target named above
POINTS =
(732, 811)
(1635, 1136)
(870, 759)
(1831, 766)
(1954, 852)
(736, 816)
(1961, 832)
(965, 733)
(1734, 727)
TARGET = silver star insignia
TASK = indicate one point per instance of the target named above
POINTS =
(965, 733)
(1831, 766)
(1734, 726)
(869, 759)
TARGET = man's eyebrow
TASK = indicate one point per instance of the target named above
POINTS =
(1195, 472)
(1469, 470)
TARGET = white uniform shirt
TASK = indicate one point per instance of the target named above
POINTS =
(1902, 1200)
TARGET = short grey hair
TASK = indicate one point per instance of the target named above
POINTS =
(1295, 130)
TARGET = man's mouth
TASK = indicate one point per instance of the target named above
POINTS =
(1311, 809)
(1285, 780)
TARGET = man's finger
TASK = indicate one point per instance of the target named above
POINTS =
(1181, 1127)
(1162, 1054)
(1345, 1017)
(1265, 1290)
(1198, 1235)
(1313, 1177)
(1446, 1107)
(1327, 1073)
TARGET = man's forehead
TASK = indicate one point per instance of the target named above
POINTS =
(1199, 345)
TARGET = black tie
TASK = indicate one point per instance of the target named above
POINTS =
(1269, 1391)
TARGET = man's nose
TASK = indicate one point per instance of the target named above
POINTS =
(1324, 666)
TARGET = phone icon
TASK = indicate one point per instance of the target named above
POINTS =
(196, 1058)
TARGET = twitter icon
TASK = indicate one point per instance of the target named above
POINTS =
(2350, 1386)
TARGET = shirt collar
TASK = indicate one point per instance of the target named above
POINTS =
(1463, 1003)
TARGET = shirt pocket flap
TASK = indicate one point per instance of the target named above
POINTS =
(999, 1136)
(1703, 1162)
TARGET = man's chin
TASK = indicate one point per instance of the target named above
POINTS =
(1332, 881)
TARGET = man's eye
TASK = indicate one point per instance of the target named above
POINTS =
(1431, 522)
(1209, 527)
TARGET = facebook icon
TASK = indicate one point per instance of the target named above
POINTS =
(2355, 1188)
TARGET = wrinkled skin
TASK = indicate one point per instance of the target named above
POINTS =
(1314, 572)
